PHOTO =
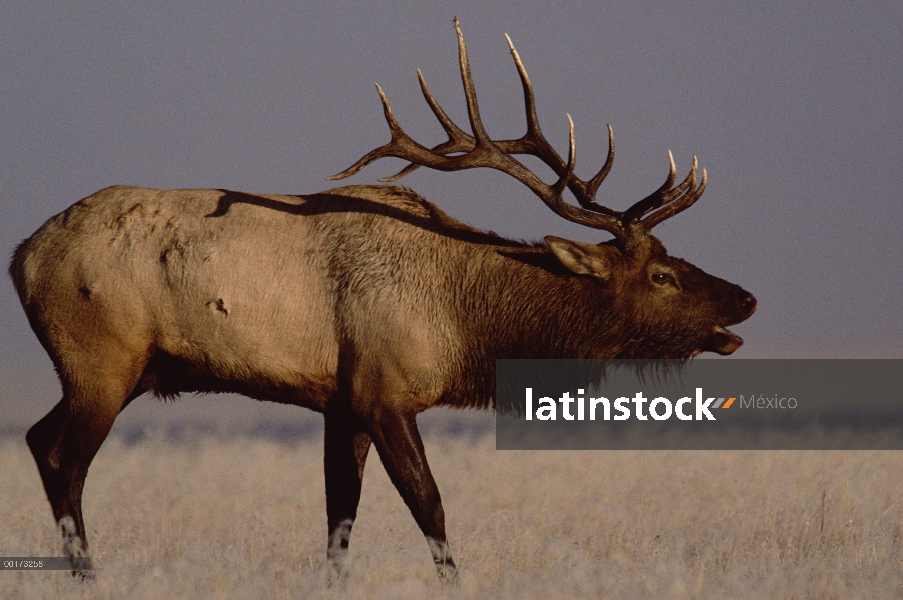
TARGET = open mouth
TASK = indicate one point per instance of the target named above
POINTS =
(723, 341)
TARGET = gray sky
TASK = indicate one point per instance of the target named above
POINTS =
(795, 109)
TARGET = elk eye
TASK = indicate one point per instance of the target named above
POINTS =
(661, 278)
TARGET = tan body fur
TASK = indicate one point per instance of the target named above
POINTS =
(175, 277)
(365, 303)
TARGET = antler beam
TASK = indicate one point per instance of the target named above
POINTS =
(466, 151)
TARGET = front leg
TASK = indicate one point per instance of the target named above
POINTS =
(400, 447)
(345, 454)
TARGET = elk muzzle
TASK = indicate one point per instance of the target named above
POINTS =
(725, 342)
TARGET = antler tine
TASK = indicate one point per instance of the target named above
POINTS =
(656, 198)
(405, 171)
(593, 185)
(676, 192)
(381, 152)
(535, 143)
(458, 140)
(470, 93)
(552, 195)
(454, 132)
(562, 182)
(666, 198)
(688, 184)
(406, 148)
(680, 204)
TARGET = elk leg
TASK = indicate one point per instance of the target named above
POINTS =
(344, 457)
(400, 447)
(65, 442)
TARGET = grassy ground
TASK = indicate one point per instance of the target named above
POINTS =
(236, 516)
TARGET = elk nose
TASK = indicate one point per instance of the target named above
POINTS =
(747, 304)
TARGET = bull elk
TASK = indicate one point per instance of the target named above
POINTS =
(364, 303)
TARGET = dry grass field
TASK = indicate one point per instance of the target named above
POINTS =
(215, 516)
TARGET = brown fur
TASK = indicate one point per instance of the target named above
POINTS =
(365, 303)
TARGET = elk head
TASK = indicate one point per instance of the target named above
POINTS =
(674, 309)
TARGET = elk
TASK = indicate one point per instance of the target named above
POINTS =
(364, 303)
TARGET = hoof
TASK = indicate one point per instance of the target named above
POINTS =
(84, 576)
(448, 573)
(336, 574)
(74, 549)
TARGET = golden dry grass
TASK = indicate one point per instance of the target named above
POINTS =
(241, 517)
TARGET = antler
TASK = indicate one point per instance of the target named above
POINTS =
(479, 150)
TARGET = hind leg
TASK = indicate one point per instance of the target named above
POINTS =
(346, 448)
(66, 440)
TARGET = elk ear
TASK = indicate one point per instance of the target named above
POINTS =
(581, 258)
